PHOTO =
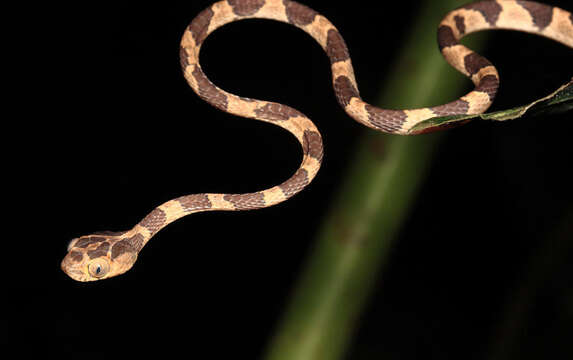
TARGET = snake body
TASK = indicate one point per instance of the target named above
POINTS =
(103, 255)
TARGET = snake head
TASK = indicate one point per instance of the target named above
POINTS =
(100, 256)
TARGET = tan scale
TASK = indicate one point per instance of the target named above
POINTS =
(478, 102)
(319, 29)
(344, 68)
(513, 13)
(274, 195)
(223, 14)
(219, 203)
(357, 109)
(417, 115)
(274, 10)
(238, 106)
(456, 55)
(560, 28)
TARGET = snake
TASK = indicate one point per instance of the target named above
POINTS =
(103, 255)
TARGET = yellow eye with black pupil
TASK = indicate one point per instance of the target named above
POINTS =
(98, 268)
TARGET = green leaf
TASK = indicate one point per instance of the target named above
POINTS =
(560, 100)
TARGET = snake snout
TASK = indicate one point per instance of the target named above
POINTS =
(72, 268)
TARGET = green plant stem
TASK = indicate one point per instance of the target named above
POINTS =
(353, 242)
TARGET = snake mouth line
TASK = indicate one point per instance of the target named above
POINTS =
(75, 274)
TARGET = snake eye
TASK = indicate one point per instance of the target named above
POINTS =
(98, 268)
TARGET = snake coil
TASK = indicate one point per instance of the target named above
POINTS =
(104, 255)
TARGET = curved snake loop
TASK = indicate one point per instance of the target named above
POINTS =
(104, 255)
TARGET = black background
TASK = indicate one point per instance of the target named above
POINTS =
(111, 130)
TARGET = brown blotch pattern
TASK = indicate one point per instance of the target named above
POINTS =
(489, 85)
(299, 14)
(194, 202)
(344, 90)
(120, 248)
(154, 221)
(453, 108)
(200, 25)
(88, 240)
(446, 37)
(336, 47)
(246, 7)
(246, 201)
(136, 241)
(541, 14)
(460, 24)
(473, 62)
(76, 256)
(489, 9)
(101, 250)
(386, 120)
(295, 184)
(276, 112)
(312, 144)
(209, 92)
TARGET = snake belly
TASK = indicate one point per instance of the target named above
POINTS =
(107, 254)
